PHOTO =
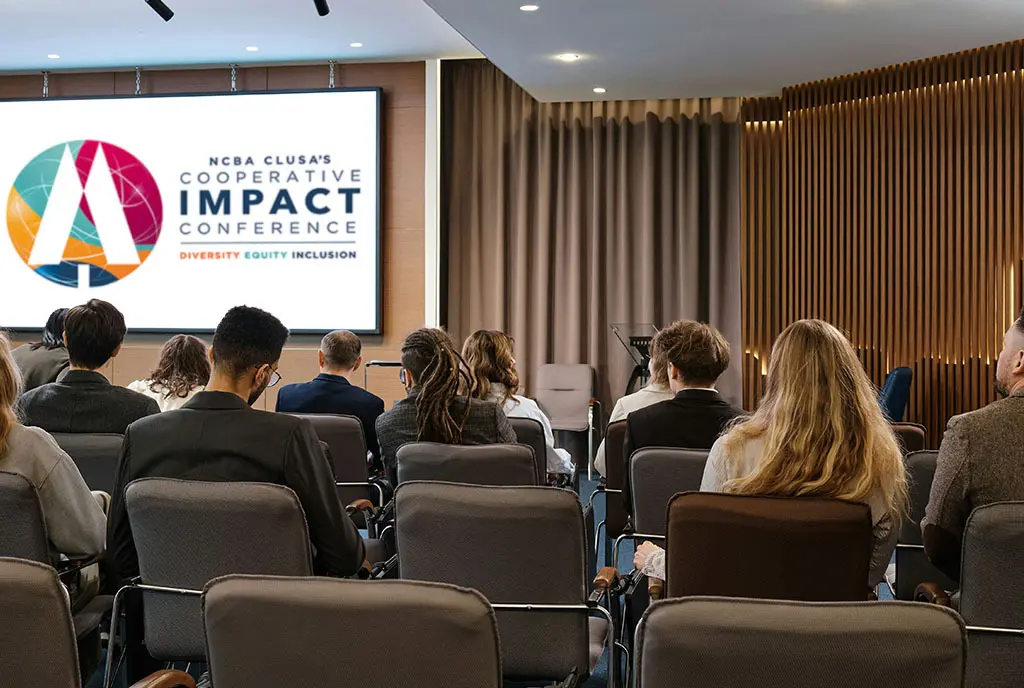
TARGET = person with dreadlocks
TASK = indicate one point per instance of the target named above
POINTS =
(435, 409)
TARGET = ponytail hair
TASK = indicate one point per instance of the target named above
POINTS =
(440, 374)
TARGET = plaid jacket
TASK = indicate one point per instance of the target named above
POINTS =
(486, 424)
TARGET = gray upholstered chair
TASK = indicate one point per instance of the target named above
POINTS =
(524, 549)
(656, 474)
(704, 642)
(96, 456)
(37, 634)
(912, 564)
(991, 568)
(531, 433)
(483, 464)
(267, 632)
(912, 437)
(566, 394)
(23, 536)
(188, 533)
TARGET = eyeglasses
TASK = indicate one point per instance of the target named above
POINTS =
(275, 377)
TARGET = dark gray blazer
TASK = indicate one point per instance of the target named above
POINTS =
(39, 366)
(487, 424)
(84, 401)
(217, 437)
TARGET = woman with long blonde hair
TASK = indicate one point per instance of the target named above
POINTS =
(74, 521)
(490, 357)
(818, 432)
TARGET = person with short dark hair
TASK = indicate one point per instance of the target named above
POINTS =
(981, 460)
(217, 436)
(183, 370)
(82, 399)
(332, 391)
(436, 410)
(42, 362)
(696, 355)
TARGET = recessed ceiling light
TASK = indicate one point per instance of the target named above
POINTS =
(599, 89)
(567, 57)
(53, 56)
(530, 8)
(252, 48)
(355, 45)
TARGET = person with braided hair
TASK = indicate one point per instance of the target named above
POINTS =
(436, 410)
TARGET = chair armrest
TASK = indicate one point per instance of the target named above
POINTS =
(656, 588)
(166, 678)
(606, 578)
(932, 593)
(364, 505)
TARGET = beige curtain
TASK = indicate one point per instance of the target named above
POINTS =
(563, 218)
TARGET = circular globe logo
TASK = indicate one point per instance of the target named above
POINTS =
(84, 214)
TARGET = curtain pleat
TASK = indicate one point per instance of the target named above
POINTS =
(564, 218)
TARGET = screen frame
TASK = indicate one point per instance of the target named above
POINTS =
(379, 91)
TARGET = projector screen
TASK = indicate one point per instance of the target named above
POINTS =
(177, 208)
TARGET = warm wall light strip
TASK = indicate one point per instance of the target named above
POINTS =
(898, 218)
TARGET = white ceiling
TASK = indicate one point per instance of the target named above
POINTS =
(125, 33)
(645, 49)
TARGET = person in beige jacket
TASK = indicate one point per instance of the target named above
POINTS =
(74, 520)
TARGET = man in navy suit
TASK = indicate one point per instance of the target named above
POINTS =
(331, 392)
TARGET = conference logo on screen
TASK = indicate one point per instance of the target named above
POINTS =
(84, 214)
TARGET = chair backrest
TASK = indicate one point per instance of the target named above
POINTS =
(912, 564)
(726, 642)
(96, 456)
(481, 464)
(37, 635)
(896, 392)
(190, 532)
(514, 545)
(912, 437)
(265, 632)
(615, 478)
(992, 568)
(564, 392)
(656, 475)
(531, 433)
(817, 550)
(346, 446)
(22, 527)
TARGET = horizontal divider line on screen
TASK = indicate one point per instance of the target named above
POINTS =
(260, 243)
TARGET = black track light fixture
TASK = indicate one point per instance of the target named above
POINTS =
(321, 7)
(165, 12)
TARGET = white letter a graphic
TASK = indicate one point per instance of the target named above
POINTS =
(112, 229)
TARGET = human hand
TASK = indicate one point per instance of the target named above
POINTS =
(643, 552)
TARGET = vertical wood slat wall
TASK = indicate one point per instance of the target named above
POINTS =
(890, 204)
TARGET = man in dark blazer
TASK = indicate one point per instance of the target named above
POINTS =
(697, 356)
(82, 399)
(217, 436)
(332, 392)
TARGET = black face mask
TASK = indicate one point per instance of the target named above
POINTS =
(255, 396)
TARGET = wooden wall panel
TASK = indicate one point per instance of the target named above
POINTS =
(404, 131)
(889, 203)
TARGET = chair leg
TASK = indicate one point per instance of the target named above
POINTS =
(115, 627)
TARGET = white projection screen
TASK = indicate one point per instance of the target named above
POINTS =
(176, 208)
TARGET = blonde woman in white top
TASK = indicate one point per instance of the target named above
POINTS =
(492, 367)
(656, 391)
(818, 432)
(183, 370)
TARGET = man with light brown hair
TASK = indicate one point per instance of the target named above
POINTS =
(697, 354)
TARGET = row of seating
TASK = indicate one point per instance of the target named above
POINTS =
(267, 632)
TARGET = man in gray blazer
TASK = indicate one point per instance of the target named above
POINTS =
(82, 399)
(981, 460)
